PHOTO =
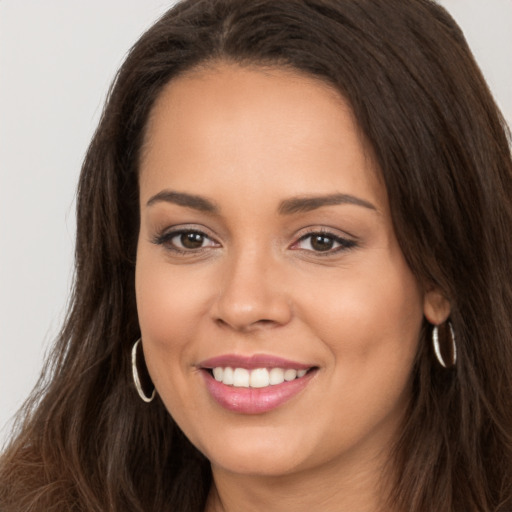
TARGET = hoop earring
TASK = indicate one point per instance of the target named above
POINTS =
(437, 348)
(135, 374)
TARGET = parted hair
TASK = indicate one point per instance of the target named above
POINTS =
(84, 441)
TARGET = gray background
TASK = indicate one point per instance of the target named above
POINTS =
(57, 59)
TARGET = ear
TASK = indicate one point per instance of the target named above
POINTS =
(436, 307)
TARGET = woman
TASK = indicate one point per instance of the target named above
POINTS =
(294, 242)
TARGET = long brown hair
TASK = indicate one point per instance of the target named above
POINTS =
(86, 442)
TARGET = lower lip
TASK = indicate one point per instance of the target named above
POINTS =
(254, 400)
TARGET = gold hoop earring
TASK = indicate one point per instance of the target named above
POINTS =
(437, 348)
(135, 374)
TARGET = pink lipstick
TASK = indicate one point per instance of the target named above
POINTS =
(254, 384)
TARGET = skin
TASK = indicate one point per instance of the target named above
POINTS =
(248, 139)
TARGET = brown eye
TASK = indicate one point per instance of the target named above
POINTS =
(185, 240)
(191, 240)
(322, 243)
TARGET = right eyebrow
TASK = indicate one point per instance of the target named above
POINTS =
(183, 199)
(309, 203)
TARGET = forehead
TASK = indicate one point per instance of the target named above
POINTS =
(255, 124)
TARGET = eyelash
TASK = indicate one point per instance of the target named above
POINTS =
(345, 244)
(166, 240)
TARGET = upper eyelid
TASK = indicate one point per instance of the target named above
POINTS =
(327, 234)
(172, 234)
(165, 235)
(176, 230)
(327, 231)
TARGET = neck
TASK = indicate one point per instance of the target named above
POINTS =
(352, 486)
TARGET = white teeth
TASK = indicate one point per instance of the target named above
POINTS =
(290, 375)
(257, 378)
(218, 373)
(276, 376)
(227, 378)
(241, 378)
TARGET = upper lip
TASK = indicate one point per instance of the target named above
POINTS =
(252, 362)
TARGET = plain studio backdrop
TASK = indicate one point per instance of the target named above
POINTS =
(57, 59)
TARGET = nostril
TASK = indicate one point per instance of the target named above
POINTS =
(248, 326)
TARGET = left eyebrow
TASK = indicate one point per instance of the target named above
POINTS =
(309, 203)
(183, 199)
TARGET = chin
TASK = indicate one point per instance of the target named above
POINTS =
(263, 465)
(259, 455)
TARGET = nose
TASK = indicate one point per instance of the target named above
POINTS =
(252, 294)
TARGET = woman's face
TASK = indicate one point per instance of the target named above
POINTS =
(267, 257)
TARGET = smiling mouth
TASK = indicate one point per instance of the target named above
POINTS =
(255, 390)
(256, 377)
(257, 383)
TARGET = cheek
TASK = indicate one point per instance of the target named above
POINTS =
(167, 295)
(170, 305)
(157, 303)
(370, 323)
(370, 318)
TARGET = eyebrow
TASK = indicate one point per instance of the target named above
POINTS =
(309, 203)
(286, 207)
(182, 199)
